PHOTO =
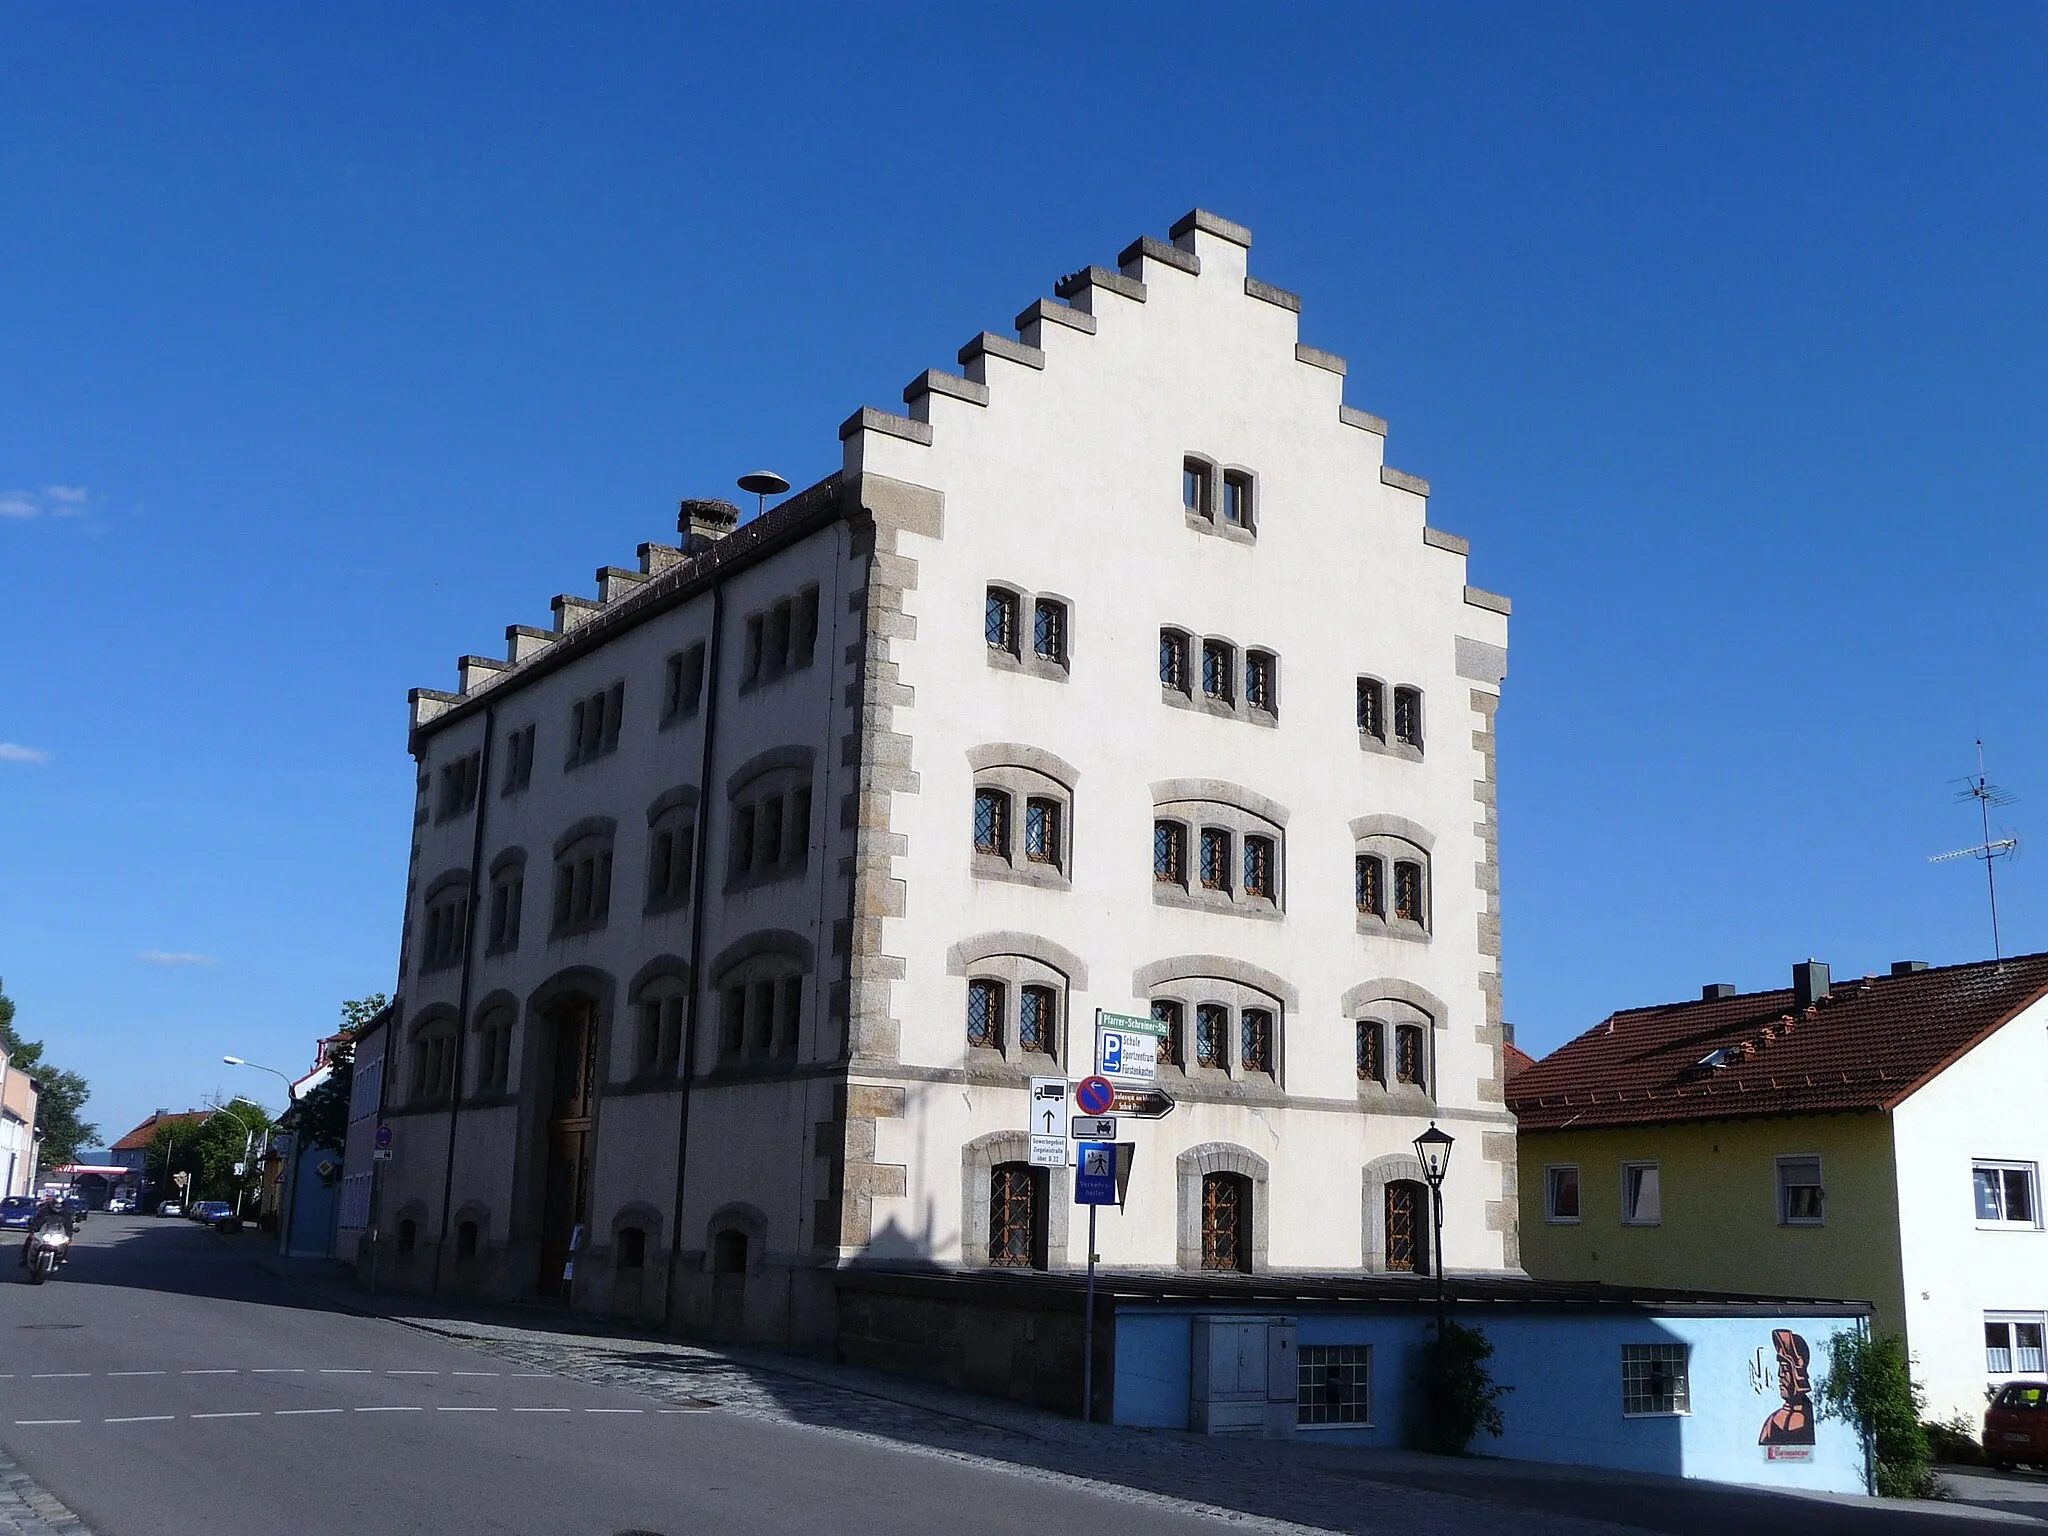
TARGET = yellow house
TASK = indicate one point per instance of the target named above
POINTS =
(1876, 1140)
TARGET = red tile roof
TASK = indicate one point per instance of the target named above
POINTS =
(138, 1139)
(1867, 1045)
(1514, 1061)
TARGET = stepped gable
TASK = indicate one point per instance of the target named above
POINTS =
(1868, 1044)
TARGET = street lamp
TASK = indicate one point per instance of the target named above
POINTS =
(291, 1188)
(1433, 1151)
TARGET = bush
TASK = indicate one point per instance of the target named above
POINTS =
(1456, 1394)
(1955, 1442)
(1870, 1384)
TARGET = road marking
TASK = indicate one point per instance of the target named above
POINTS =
(284, 1413)
(515, 1410)
(346, 1370)
(143, 1418)
(138, 1373)
(472, 1373)
(532, 1373)
(247, 1413)
(47, 1421)
(412, 1373)
(407, 1409)
(211, 1371)
(615, 1410)
(58, 1375)
(465, 1410)
(278, 1370)
(685, 1410)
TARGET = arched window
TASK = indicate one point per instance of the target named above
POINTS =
(729, 1253)
(1168, 1012)
(1226, 1221)
(494, 1048)
(769, 831)
(583, 877)
(1372, 1051)
(985, 1014)
(465, 1240)
(444, 921)
(433, 1060)
(408, 1235)
(1218, 848)
(671, 848)
(1255, 1041)
(1407, 1246)
(992, 823)
(1038, 1020)
(1212, 1035)
(1016, 1217)
(632, 1243)
(1014, 1008)
(1390, 880)
(660, 1009)
(1411, 1061)
(508, 896)
(1395, 1046)
(760, 985)
(1023, 815)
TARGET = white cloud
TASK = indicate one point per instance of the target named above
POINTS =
(174, 957)
(11, 753)
(56, 500)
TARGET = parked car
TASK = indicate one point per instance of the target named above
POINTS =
(119, 1206)
(2016, 1426)
(213, 1213)
(170, 1208)
(16, 1211)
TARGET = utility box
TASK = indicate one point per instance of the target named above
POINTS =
(1244, 1376)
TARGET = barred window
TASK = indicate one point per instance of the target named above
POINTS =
(1372, 707)
(1000, 620)
(1408, 902)
(1372, 1051)
(1408, 717)
(1035, 1019)
(1042, 831)
(1369, 877)
(1173, 660)
(1217, 666)
(1655, 1379)
(1333, 1384)
(1169, 853)
(992, 822)
(1409, 1065)
(1215, 859)
(1255, 1042)
(1259, 671)
(1211, 1022)
(984, 1014)
(1167, 1012)
(1049, 631)
(1258, 867)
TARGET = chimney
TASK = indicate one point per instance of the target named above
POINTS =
(703, 523)
(1809, 983)
(1907, 967)
(1714, 991)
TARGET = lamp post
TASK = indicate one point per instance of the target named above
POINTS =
(1433, 1151)
(291, 1188)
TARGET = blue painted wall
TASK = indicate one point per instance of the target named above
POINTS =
(1566, 1404)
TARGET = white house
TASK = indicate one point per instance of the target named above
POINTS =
(1121, 673)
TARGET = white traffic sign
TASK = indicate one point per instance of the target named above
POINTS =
(1048, 1114)
(1127, 1048)
(1093, 1128)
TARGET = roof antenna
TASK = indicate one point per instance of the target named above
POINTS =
(762, 484)
(1986, 794)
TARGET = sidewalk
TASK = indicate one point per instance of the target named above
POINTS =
(1289, 1486)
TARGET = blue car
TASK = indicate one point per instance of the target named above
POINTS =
(17, 1211)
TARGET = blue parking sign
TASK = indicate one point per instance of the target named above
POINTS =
(1095, 1178)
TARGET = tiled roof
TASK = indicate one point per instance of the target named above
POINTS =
(138, 1139)
(1867, 1045)
(1514, 1060)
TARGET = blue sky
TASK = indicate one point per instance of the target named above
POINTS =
(336, 339)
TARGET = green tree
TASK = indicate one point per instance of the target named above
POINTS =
(1870, 1385)
(208, 1149)
(58, 1110)
(323, 1113)
(1456, 1394)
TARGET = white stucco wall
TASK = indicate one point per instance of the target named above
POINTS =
(1984, 1107)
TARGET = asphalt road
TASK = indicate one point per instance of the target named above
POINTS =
(161, 1385)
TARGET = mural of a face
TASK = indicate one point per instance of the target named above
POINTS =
(1792, 1424)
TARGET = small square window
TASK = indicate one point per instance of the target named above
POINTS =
(1642, 1195)
(1049, 631)
(1655, 1379)
(1333, 1384)
(1237, 500)
(2006, 1194)
(1561, 1193)
(1000, 621)
(1801, 1202)
(2012, 1344)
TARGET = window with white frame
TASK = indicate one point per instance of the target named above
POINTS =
(1561, 1192)
(1801, 1200)
(2012, 1343)
(1642, 1195)
(1333, 1384)
(2007, 1195)
(1656, 1379)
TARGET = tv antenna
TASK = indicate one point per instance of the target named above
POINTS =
(763, 483)
(1990, 850)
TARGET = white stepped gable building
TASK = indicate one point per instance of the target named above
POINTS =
(1121, 673)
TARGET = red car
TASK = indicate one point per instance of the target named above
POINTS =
(2016, 1426)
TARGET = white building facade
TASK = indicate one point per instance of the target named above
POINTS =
(1119, 674)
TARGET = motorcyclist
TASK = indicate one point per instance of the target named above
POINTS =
(48, 1214)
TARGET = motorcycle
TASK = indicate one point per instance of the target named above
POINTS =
(47, 1250)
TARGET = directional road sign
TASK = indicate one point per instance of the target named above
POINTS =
(1048, 1111)
(1093, 1096)
(1127, 1055)
(1144, 1103)
(1093, 1128)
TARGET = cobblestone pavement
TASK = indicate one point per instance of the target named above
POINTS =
(29, 1509)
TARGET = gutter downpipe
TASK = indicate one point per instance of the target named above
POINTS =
(697, 882)
(470, 926)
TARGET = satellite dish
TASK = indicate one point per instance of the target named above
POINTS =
(762, 484)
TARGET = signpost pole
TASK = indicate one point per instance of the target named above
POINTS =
(1088, 1330)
